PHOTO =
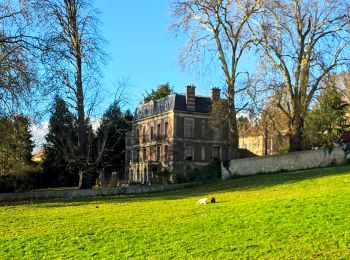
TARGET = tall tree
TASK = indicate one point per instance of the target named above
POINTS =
(61, 142)
(72, 57)
(219, 28)
(111, 139)
(302, 41)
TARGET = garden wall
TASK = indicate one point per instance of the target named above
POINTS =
(76, 193)
(283, 162)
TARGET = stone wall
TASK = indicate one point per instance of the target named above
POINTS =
(72, 194)
(284, 162)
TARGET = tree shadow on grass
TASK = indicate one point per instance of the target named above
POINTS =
(257, 182)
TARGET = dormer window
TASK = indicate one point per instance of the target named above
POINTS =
(166, 105)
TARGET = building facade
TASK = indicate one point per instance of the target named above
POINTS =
(264, 142)
(173, 135)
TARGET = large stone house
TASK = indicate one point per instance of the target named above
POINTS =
(173, 135)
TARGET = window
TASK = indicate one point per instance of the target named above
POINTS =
(203, 153)
(150, 153)
(216, 133)
(203, 128)
(151, 132)
(158, 130)
(144, 154)
(137, 135)
(189, 128)
(144, 133)
(166, 152)
(137, 155)
(166, 129)
(166, 104)
(188, 152)
(145, 174)
(158, 153)
(216, 153)
(131, 175)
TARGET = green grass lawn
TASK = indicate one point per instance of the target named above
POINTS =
(285, 216)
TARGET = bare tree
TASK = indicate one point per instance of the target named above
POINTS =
(16, 61)
(72, 56)
(302, 41)
(218, 27)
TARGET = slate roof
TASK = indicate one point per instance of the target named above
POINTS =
(175, 102)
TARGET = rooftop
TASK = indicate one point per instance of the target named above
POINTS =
(176, 102)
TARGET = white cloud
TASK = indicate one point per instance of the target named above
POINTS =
(95, 123)
(39, 132)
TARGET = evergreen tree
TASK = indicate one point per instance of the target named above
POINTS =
(327, 120)
(111, 140)
(161, 91)
(23, 144)
(60, 145)
(16, 145)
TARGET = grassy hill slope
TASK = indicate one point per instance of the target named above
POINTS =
(304, 214)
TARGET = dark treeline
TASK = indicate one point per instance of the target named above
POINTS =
(58, 169)
(105, 147)
(16, 169)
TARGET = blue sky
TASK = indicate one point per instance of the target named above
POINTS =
(144, 52)
(142, 49)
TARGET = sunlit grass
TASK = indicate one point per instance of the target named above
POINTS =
(290, 215)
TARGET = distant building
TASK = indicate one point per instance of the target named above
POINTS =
(173, 135)
(264, 144)
(38, 157)
(255, 144)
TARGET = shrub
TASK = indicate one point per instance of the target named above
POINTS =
(28, 179)
(209, 172)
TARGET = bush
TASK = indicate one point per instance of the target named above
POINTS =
(26, 180)
(210, 172)
(59, 177)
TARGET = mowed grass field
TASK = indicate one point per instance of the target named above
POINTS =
(301, 215)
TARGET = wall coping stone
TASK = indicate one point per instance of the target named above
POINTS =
(84, 193)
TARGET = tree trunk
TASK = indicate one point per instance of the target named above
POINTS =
(82, 159)
(234, 139)
(233, 150)
(266, 142)
(84, 180)
(296, 135)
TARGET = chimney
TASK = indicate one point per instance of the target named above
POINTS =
(215, 94)
(191, 98)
